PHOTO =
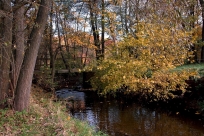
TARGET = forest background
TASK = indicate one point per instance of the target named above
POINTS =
(131, 45)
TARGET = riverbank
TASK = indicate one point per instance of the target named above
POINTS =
(189, 102)
(189, 105)
(120, 116)
(44, 117)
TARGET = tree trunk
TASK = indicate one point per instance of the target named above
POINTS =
(23, 88)
(5, 47)
(51, 50)
(103, 28)
(126, 17)
(202, 49)
(95, 31)
(59, 38)
(19, 43)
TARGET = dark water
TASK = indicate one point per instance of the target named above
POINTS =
(122, 118)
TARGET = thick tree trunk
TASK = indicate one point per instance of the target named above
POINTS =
(23, 88)
(5, 55)
(19, 43)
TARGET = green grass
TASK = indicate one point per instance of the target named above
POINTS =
(198, 67)
(44, 117)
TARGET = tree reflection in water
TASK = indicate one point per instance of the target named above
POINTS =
(119, 118)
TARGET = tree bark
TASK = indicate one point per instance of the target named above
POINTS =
(19, 43)
(51, 50)
(126, 18)
(202, 49)
(5, 47)
(103, 28)
(23, 88)
(59, 39)
(95, 30)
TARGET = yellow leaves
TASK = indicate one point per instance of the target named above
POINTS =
(82, 39)
(145, 62)
(197, 33)
(68, 118)
(111, 15)
(161, 35)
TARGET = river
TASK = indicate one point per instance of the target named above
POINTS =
(120, 117)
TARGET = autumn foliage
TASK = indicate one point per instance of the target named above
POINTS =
(146, 63)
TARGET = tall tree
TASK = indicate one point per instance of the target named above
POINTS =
(19, 43)
(202, 7)
(93, 9)
(5, 47)
(60, 37)
(103, 28)
(52, 58)
(23, 88)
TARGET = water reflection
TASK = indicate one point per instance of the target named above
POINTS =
(118, 118)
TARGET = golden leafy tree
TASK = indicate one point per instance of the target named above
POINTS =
(146, 63)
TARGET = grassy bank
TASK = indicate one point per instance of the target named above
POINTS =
(44, 117)
(199, 67)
